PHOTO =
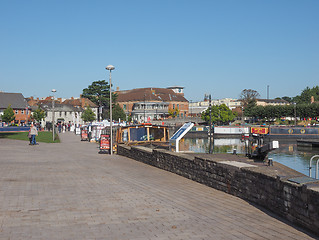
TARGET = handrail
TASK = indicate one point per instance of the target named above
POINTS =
(311, 164)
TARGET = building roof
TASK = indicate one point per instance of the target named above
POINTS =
(150, 94)
(81, 102)
(16, 100)
(58, 107)
(273, 101)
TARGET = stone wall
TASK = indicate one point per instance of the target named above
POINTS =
(296, 202)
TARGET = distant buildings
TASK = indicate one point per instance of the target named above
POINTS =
(196, 108)
(65, 111)
(141, 104)
(145, 104)
(18, 104)
(273, 102)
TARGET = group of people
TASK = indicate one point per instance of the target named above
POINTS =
(32, 133)
(62, 127)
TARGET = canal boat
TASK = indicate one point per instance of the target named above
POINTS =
(142, 134)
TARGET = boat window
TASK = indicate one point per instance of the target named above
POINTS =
(138, 134)
(125, 136)
(158, 134)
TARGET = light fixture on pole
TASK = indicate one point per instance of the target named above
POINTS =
(110, 68)
(53, 129)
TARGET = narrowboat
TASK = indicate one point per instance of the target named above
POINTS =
(142, 134)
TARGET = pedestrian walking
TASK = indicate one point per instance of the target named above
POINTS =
(33, 132)
(29, 136)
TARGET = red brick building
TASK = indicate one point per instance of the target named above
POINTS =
(144, 104)
(18, 104)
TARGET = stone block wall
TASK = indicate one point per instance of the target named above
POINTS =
(296, 202)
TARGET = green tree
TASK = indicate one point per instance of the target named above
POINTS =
(99, 93)
(219, 114)
(8, 115)
(306, 94)
(173, 112)
(248, 108)
(88, 115)
(118, 112)
(288, 99)
(38, 114)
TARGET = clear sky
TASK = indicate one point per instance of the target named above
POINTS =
(207, 46)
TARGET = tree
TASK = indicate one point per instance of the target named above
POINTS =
(219, 113)
(247, 95)
(8, 115)
(173, 112)
(38, 114)
(306, 94)
(99, 93)
(118, 112)
(88, 115)
(288, 99)
(248, 107)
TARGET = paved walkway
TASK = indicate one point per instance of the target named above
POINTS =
(69, 191)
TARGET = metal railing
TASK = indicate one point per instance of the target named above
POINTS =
(310, 165)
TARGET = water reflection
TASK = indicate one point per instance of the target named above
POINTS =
(288, 153)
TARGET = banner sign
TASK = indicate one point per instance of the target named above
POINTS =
(105, 142)
(84, 134)
(259, 130)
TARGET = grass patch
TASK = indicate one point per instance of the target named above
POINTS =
(44, 136)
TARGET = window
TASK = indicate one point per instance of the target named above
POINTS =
(124, 106)
(22, 111)
(16, 111)
(173, 106)
(177, 105)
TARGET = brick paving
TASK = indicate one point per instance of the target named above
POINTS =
(69, 191)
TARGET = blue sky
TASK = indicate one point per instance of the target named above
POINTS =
(215, 47)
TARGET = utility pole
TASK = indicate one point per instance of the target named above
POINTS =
(53, 124)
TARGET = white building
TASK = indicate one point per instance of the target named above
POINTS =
(62, 114)
(196, 108)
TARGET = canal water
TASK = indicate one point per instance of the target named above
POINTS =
(288, 153)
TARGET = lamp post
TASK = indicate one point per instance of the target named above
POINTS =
(144, 108)
(295, 114)
(53, 125)
(210, 124)
(110, 68)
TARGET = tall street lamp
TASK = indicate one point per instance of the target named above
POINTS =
(53, 128)
(110, 68)
(295, 114)
(210, 124)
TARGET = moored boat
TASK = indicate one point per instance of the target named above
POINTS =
(142, 134)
